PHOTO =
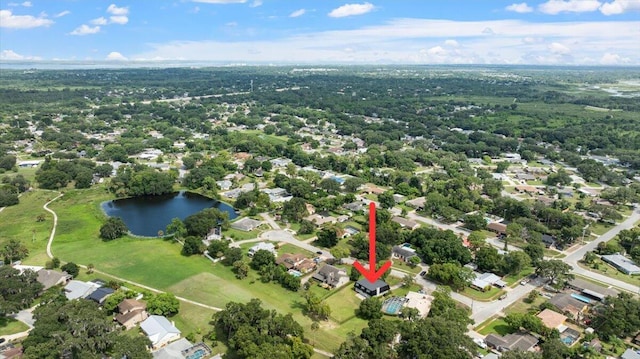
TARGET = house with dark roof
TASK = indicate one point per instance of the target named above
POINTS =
(548, 240)
(568, 305)
(405, 223)
(514, 341)
(417, 203)
(368, 289)
(404, 252)
(100, 295)
(331, 276)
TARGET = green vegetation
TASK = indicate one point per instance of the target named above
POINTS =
(10, 326)
(494, 325)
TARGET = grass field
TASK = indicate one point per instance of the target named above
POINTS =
(497, 325)
(158, 264)
(487, 296)
(10, 326)
(607, 270)
(19, 222)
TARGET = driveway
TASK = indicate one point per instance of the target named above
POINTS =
(282, 235)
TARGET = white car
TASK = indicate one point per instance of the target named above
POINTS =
(480, 343)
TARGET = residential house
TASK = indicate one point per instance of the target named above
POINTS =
(526, 189)
(398, 198)
(266, 246)
(50, 278)
(406, 223)
(623, 264)
(246, 224)
(569, 305)
(592, 290)
(159, 331)
(131, 312)
(77, 289)
(306, 265)
(290, 261)
(514, 341)
(548, 240)
(349, 231)
(355, 206)
(310, 208)
(173, 350)
(552, 319)
(224, 185)
(630, 354)
(331, 276)
(373, 189)
(499, 228)
(404, 252)
(525, 177)
(484, 281)
(417, 203)
(368, 289)
(100, 295)
(321, 218)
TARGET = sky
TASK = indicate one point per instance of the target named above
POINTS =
(544, 32)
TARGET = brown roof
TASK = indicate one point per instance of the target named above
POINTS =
(128, 305)
(530, 189)
(306, 265)
(124, 318)
(497, 227)
(290, 260)
(551, 319)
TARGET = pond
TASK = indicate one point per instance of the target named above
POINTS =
(147, 215)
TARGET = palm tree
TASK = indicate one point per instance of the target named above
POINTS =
(314, 328)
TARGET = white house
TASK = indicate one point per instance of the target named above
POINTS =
(159, 331)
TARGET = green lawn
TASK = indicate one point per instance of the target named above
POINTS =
(402, 266)
(10, 326)
(241, 235)
(19, 222)
(343, 303)
(600, 228)
(497, 325)
(521, 307)
(487, 296)
(605, 269)
(515, 278)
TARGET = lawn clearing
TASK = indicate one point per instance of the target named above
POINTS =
(19, 222)
(10, 326)
(487, 296)
(498, 326)
(343, 304)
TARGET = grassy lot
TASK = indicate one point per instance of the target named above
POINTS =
(402, 291)
(28, 173)
(19, 222)
(521, 307)
(553, 253)
(343, 304)
(515, 278)
(487, 296)
(296, 227)
(600, 228)
(290, 248)
(497, 325)
(606, 269)
(241, 235)
(10, 326)
(402, 266)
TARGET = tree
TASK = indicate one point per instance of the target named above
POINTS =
(295, 209)
(619, 317)
(176, 228)
(535, 251)
(192, 245)
(14, 250)
(554, 349)
(519, 354)
(407, 280)
(217, 248)
(8, 196)
(475, 222)
(52, 179)
(231, 255)
(316, 308)
(556, 271)
(17, 291)
(79, 329)
(435, 338)
(327, 237)
(163, 304)
(488, 259)
(262, 258)
(199, 224)
(306, 227)
(314, 328)
(104, 170)
(113, 228)
(71, 268)
(476, 239)
(241, 269)
(452, 274)
(501, 167)
(83, 178)
(370, 308)
(386, 199)
(409, 313)
(515, 261)
(352, 184)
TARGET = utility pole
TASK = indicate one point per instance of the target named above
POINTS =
(584, 230)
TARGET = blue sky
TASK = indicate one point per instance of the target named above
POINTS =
(556, 32)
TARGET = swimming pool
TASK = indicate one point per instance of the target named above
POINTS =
(198, 354)
(393, 305)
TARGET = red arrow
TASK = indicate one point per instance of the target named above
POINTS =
(371, 274)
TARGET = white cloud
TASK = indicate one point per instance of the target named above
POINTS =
(221, 1)
(99, 21)
(12, 55)
(351, 10)
(85, 30)
(559, 49)
(297, 13)
(9, 20)
(554, 7)
(613, 59)
(619, 6)
(256, 3)
(452, 43)
(424, 41)
(119, 19)
(62, 13)
(115, 56)
(27, 4)
(519, 8)
(114, 10)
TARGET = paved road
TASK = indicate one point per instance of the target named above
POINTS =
(283, 235)
(270, 220)
(412, 215)
(573, 258)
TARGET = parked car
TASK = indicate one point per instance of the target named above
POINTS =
(423, 273)
(504, 296)
(480, 343)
